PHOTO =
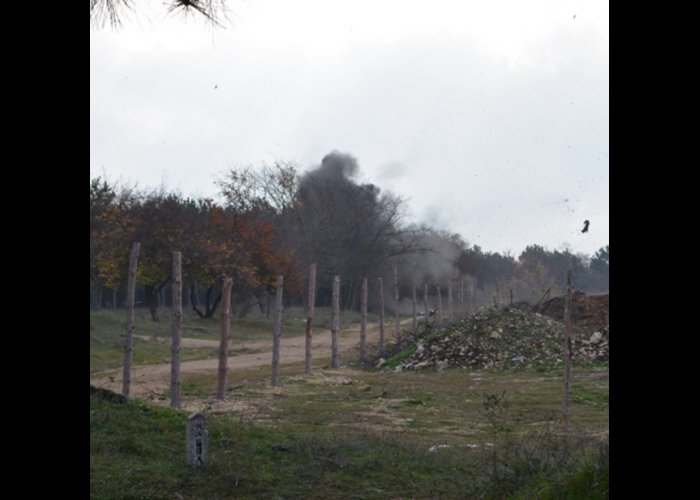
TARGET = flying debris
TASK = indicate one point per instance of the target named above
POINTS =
(585, 226)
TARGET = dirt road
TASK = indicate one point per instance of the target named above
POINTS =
(149, 381)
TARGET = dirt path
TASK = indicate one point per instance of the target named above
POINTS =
(148, 381)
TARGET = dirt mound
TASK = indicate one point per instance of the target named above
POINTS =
(589, 313)
(504, 339)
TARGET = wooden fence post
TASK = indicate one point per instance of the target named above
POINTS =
(335, 323)
(363, 322)
(415, 313)
(425, 300)
(175, 384)
(567, 351)
(277, 333)
(381, 318)
(397, 329)
(310, 305)
(129, 345)
(450, 308)
(224, 339)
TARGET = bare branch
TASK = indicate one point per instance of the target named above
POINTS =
(113, 11)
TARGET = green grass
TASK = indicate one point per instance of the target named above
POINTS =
(137, 451)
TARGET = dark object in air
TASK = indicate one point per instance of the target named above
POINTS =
(585, 226)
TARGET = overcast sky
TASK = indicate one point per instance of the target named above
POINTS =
(489, 117)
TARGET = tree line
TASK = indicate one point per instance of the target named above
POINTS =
(273, 220)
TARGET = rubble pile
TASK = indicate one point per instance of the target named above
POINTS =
(504, 339)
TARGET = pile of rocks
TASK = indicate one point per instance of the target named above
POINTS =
(596, 347)
(504, 339)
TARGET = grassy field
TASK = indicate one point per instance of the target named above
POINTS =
(351, 432)
(137, 451)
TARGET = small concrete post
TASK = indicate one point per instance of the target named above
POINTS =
(197, 440)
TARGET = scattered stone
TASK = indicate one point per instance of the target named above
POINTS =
(436, 447)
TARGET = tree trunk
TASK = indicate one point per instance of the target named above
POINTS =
(310, 306)
(439, 293)
(225, 336)
(194, 300)
(381, 318)
(175, 383)
(363, 322)
(186, 299)
(277, 333)
(129, 345)
(114, 300)
(96, 297)
(463, 311)
(335, 323)
(152, 301)
(567, 351)
(209, 306)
